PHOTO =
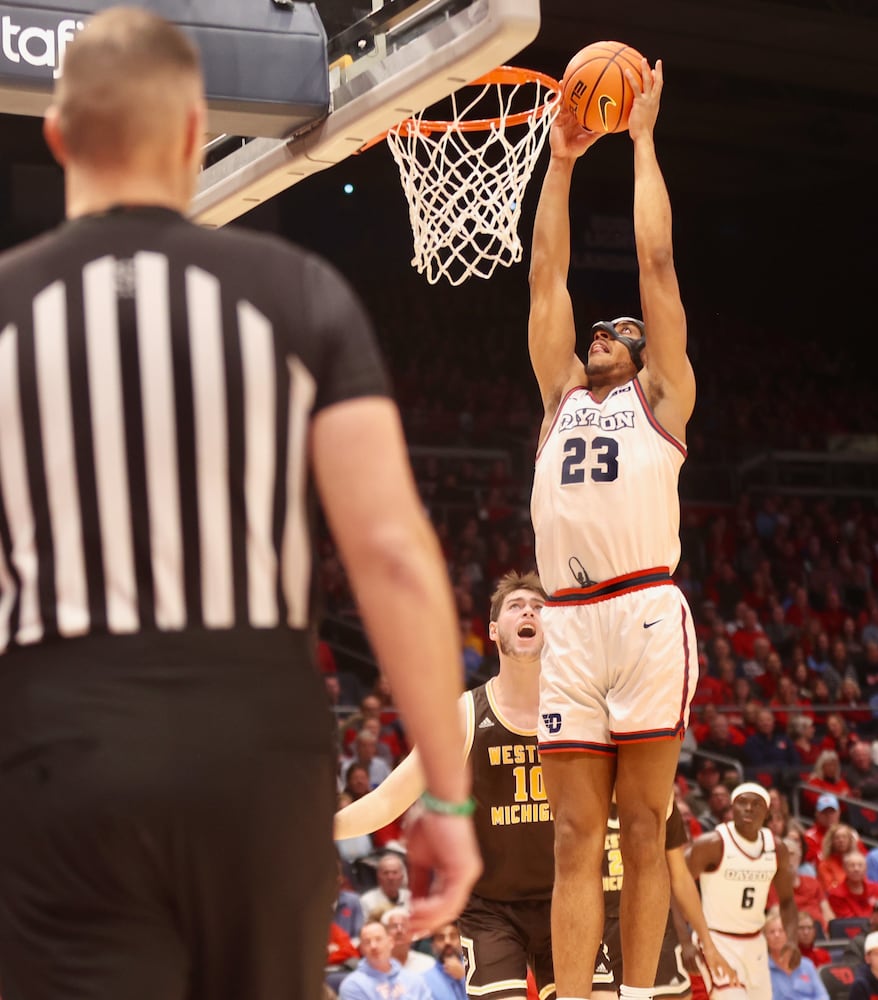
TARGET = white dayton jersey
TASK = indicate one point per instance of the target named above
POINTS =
(734, 896)
(605, 497)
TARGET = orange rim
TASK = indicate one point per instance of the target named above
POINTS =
(508, 75)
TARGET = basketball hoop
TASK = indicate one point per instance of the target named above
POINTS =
(465, 196)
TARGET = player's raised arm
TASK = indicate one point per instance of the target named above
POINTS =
(399, 790)
(551, 330)
(669, 376)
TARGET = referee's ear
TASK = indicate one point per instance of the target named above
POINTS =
(54, 138)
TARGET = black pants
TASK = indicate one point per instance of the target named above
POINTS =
(165, 819)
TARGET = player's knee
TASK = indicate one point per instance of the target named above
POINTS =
(644, 840)
(577, 841)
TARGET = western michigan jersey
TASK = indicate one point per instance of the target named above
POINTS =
(514, 825)
(734, 896)
(605, 499)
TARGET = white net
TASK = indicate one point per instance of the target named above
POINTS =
(465, 179)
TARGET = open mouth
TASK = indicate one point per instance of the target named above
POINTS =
(527, 631)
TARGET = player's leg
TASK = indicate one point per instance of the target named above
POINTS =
(644, 779)
(579, 786)
(653, 650)
(537, 918)
(494, 950)
(608, 963)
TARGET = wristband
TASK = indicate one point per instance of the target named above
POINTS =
(432, 804)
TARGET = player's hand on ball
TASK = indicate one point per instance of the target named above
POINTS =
(645, 109)
(568, 139)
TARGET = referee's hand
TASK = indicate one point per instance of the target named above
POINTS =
(443, 864)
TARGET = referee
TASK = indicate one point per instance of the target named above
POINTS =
(169, 398)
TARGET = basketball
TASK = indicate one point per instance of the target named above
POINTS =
(595, 89)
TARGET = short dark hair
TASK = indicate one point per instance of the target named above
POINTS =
(510, 582)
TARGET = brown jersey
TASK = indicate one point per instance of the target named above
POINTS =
(513, 822)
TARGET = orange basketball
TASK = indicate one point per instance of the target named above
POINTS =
(595, 88)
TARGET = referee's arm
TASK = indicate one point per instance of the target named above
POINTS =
(399, 578)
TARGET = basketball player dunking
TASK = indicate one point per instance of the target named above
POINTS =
(619, 665)
(736, 865)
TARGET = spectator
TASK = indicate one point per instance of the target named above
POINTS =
(855, 896)
(379, 976)
(391, 889)
(770, 670)
(872, 866)
(770, 753)
(369, 717)
(348, 914)
(719, 804)
(803, 678)
(796, 832)
(789, 980)
(779, 632)
(865, 984)
(707, 777)
(370, 708)
(446, 979)
(472, 651)
(867, 670)
(763, 667)
(809, 894)
(839, 841)
(855, 949)
(397, 922)
(723, 738)
(806, 941)
(365, 753)
(826, 777)
(786, 703)
(342, 957)
(748, 634)
(826, 815)
(861, 773)
(802, 732)
(855, 712)
(356, 781)
(838, 736)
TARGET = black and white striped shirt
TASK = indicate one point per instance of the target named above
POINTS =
(157, 382)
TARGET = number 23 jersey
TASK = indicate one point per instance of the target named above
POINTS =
(605, 497)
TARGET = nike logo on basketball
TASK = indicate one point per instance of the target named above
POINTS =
(604, 102)
(486, 723)
(650, 624)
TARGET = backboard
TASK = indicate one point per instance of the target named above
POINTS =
(387, 60)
